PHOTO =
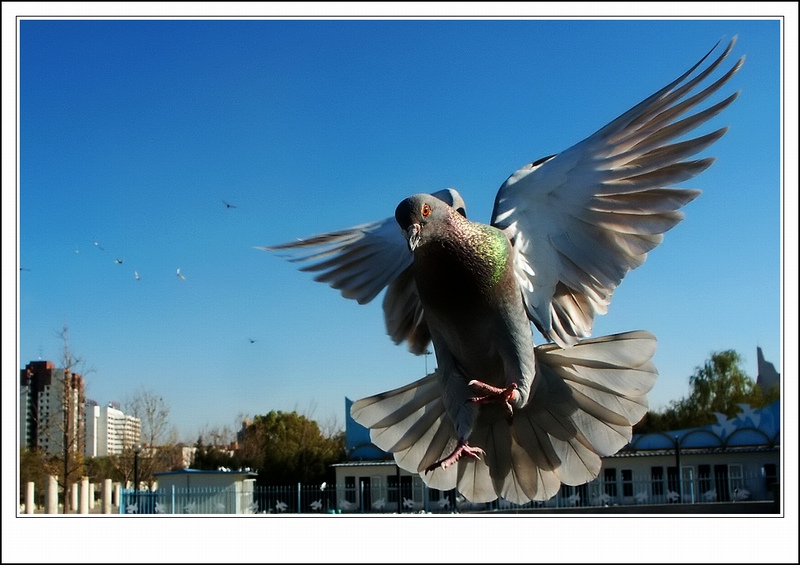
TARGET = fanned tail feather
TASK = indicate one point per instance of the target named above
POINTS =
(584, 403)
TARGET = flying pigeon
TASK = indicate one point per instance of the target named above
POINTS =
(136, 275)
(379, 504)
(281, 506)
(316, 505)
(227, 205)
(180, 276)
(118, 261)
(501, 417)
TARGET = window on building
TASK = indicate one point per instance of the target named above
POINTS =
(657, 481)
(770, 473)
(610, 482)
(673, 483)
(705, 483)
(721, 482)
(627, 482)
(735, 478)
(350, 489)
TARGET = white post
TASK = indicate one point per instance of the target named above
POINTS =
(91, 496)
(84, 508)
(107, 496)
(51, 495)
(115, 498)
(30, 505)
(73, 507)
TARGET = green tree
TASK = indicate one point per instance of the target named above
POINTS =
(719, 385)
(288, 448)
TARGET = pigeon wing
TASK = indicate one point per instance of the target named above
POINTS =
(582, 219)
(363, 260)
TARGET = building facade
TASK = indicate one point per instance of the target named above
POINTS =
(109, 430)
(53, 413)
(737, 459)
(51, 408)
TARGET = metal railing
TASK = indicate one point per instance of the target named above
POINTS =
(246, 498)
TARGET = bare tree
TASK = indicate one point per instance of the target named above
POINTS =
(63, 423)
(156, 434)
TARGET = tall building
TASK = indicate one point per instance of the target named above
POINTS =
(44, 402)
(109, 430)
(51, 408)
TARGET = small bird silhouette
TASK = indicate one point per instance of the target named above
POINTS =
(180, 276)
(251, 340)
(118, 261)
(228, 205)
(281, 506)
(136, 275)
(316, 505)
(100, 247)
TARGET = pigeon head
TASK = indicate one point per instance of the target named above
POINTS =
(418, 215)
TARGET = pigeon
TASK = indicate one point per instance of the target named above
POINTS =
(316, 505)
(502, 417)
(180, 276)
(118, 261)
(228, 205)
(281, 506)
(136, 275)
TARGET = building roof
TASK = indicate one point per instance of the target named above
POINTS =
(205, 472)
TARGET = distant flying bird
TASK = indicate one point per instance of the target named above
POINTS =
(190, 507)
(136, 275)
(500, 417)
(251, 340)
(100, 247)
(180, 276)
(252, 508)
(323, 485)
(281, 506)
(574, 499)
(444, 503)
(409, 503)
(24, 269)
(641, 497)
(672, 496)
(227, 205)
(316, 505)
(118, 261)
(131, 508)
(379, 504)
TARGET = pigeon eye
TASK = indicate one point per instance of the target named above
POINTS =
(426, 210)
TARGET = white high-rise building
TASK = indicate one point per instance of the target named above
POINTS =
(109, 430)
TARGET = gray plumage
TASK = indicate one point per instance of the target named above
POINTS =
(500, 417)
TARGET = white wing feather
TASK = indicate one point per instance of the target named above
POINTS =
(581, 220)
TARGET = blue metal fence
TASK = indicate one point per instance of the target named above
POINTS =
(339, 499)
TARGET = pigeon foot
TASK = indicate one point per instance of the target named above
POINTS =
(461, 450)
(494, 394)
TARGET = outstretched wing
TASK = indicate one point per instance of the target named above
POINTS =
(363, 260)
(582, 219)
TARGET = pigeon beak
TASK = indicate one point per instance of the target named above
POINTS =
(412, 236)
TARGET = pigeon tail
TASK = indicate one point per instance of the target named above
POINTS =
(585, 401)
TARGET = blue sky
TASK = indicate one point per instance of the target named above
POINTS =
(134, 134)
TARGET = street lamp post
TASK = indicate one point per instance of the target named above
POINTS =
(136, 450)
